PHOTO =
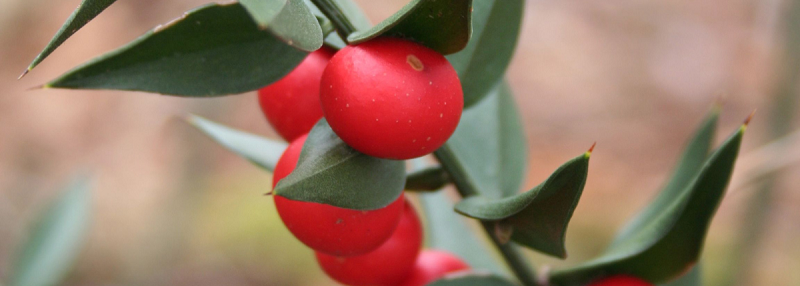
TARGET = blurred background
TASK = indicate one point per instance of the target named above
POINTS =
(173, 208)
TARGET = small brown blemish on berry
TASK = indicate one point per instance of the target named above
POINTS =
(415, 63)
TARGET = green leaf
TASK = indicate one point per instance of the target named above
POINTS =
(489, 144)
(332, 173)
(258, 150)
(442, 25)
(482, 63)
(472, 280)
(449, 231)
(56, 238)
(693, 278)
(86, 11)
(290, 20)
(211, 51)
(670, 242)
(429, 179)
(538, 218)
(689, 165)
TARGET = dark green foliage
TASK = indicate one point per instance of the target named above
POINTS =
(330, 172)
(211, 51)
(442, 25)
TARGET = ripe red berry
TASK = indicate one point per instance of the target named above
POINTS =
(291, 104)
(391, 98)
(390, 264)
(621, 280)
(432, 265)
(329, 229)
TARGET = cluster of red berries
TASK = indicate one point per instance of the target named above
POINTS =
(388, 98)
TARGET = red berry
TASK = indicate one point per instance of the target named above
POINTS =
(390, 264)
(291, 104)
(432, 265)
(329, 229)
(621, 280)
(391, 98)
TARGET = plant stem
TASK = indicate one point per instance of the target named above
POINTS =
(335, 14)
(512, 256)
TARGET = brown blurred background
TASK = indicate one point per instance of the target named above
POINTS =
(173, 208)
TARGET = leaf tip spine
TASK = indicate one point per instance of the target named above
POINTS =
(25, 72)
(747, 120)
(589, 152)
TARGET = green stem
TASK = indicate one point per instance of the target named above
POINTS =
(512, 256)
(335, 14)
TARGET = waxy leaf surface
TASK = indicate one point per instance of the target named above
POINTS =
(537, 218)
(483, 62)
(331, 172)
(258, 150)
(290, 20)
(442, 25)
(670, 242)
(690, 163)
(210, 51)
(489, 145)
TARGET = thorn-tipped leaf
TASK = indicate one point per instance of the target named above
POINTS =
(86, 11)
(668, 243)
(537, 218)
(210, 51)
(332, 173)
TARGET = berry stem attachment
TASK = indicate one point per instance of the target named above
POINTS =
(511, 254)
(343, 25)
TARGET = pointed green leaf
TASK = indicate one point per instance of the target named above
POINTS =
(258, 150)
(693, 278)
(671, 242)
(689, 165)
(489, 144)
(472, 280)
(332, 173)
(482, 63)
(442, 25)
(211, 51)
(86, 11)
(56, 238)
(290, 20)
(449, 231)
(538, 218)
